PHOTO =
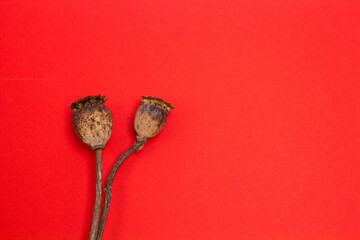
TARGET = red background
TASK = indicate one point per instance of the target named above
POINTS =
(263, 144)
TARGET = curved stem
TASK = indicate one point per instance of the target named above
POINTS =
(97, 206)
(108, 186)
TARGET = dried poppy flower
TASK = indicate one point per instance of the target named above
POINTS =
(92, 121)
(150, 118)
(93, 124)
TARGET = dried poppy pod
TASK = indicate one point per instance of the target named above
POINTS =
(151, 116)
(92, 121)
(93, 124)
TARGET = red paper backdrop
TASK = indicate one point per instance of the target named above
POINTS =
(263, 144)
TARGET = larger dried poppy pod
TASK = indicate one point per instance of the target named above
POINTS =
(92, 121)
(151, 116)
(93, 124)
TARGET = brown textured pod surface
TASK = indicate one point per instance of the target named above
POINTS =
(151, 116)
(92, 121)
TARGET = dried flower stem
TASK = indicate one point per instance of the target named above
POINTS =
(108, 187)
(97, 206)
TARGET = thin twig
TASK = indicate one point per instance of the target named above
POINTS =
(97, 206)
(108, 186)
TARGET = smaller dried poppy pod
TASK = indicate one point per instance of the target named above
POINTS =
(151, 117)
(92, 121)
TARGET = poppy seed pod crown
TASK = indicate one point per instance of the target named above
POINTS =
(92, 121)
(151, 116)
